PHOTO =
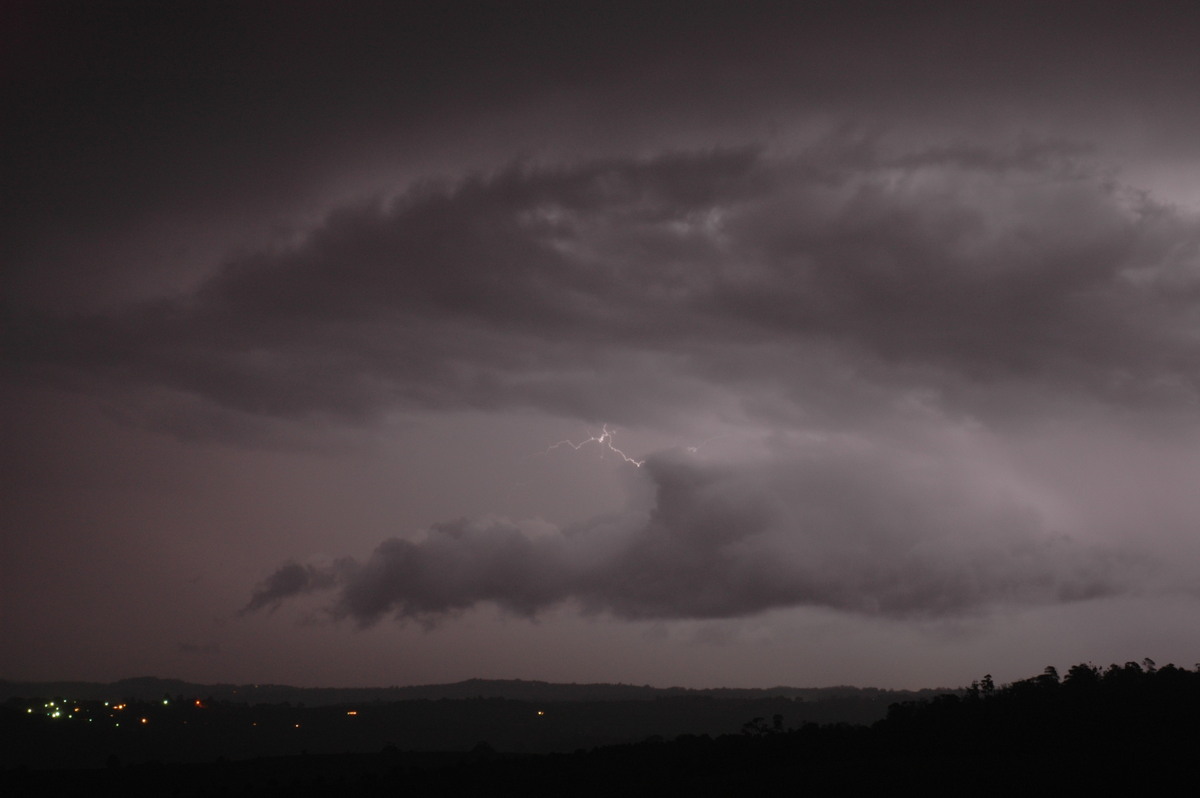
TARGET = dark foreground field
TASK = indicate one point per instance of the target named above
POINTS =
(1124, 729)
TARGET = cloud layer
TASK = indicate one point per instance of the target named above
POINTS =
(850, 528)
(278, 274)
(850, 286)
(625, 289)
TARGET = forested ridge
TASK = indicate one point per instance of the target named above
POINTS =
(1092, 729)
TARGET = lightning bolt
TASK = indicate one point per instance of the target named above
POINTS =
(604, 440)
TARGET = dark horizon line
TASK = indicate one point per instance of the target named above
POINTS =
(168, 684)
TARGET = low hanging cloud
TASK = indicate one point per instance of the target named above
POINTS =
(630, 289)
(859, 531)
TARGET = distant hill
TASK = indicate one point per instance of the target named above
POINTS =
(146, 688)
(77, 724)
(1128, 729)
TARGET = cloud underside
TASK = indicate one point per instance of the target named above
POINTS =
(854, 288)
(860, 533)
(627, 290)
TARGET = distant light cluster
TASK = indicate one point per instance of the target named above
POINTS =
(178, 712)
(91, 711)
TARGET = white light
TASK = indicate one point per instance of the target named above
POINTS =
(605, 439)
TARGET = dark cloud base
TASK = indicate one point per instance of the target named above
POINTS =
(842, 531)
(606, 290)
(833, 286)
(923, 252)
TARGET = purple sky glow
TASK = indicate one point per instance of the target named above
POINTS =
(883, 320)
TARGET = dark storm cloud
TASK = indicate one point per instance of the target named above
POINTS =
(289, 580)
(933, 239)
(130, 120)
(864, 531)
(612, 288)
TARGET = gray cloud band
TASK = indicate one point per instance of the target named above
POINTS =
(821, 529)
(623, 289)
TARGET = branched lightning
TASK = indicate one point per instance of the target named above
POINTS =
(604, 440)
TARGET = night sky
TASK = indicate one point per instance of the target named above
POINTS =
(680, 343)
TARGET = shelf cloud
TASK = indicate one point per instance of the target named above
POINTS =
(861, 531)
(894, 306)
(614, 287)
